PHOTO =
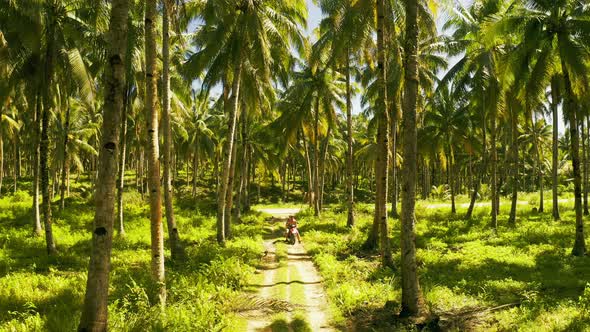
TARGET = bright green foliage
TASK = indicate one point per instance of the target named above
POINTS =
(463, 266)
(40, 293)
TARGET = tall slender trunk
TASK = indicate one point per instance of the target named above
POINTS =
(1, 153)
(173, 236)
(18, 161)
(65, 160)
(243, 188)
(514, 166)
(324, 154)
(394, 124)
(349, 154)
(585, 163)
(153, 150)
(494, 174)
(232, 111)
(412, 300)
(243, 170)
(248, 172)
(570, 109)
(142, 172)
(95, 309)
(316, 157)
(555, 144)
(37, 230)
(229, 200)
(195, 167)
(451, 179)
(47, 104)
(382, 162)
(484, 163)
(538, 165)
(123, 134)
(123, 143)
(15, 170)
(310, 195)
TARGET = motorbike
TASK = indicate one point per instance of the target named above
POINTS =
(292, 234)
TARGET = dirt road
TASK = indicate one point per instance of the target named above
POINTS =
(293, 280)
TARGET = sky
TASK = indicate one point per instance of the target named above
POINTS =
(314, 16)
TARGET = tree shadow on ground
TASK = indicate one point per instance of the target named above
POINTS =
(297, 324)
(59, 311)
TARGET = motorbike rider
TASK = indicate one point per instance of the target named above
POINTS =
(292, 223)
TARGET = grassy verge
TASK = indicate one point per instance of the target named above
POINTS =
(462, 264)
(40, 293)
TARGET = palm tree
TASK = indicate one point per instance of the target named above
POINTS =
(444, 125)
(47, 81)
(412, 300)
(151, 113)
(241, 35)
(176, 249)
(478, 70)
(556, 32)
(346, 24)
(383, 119)
(95, 308)
(308, 106)
(555, 95)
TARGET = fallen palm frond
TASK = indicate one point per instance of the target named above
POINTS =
(468, 319)
(251, 303)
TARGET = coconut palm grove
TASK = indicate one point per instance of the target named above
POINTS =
(294, 165)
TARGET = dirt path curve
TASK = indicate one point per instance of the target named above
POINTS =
(296, 282)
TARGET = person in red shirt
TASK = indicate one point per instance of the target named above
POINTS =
(292, 223)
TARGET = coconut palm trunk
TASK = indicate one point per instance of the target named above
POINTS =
(123, 152)
(555, 148)
(15, 169)
(310, 196)
(173, 236)
(538, 164)
(229, 199)
(44, 147)
(123, 134)
(316, 159)
(232, 111)
(95, 308)
(484, 164)
(585, 164)
(195, 167)
(394, 193)
(1, 153)
(382, 163)
(349, 154)
(65, 160)
(153, 152)
(570, 109)
(514, 166)
(451, 178)
(322, 171)
(243, 189)
(412, 300)
(494, 175)
(37, 230)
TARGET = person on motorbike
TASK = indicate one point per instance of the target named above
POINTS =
(292, 223)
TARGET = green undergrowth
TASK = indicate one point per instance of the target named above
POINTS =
(463, 265)
(41, 293)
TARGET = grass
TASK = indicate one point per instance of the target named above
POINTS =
(462, 264)
(41, 293)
